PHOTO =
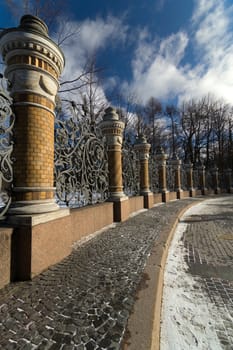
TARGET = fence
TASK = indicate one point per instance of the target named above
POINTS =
(7, 120)
(90, 164)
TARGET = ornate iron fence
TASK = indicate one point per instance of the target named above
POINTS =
(154, 174)
(184, 177)
(7, 119)
(130, 169)
(81, 167)
(196, 183)
(209, 177)
(170, 177)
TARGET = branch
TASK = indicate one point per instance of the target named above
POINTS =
(74, 88)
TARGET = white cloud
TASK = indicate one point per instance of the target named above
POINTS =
(155, 68)
(83, 40)
(91, 35)
(159, 69)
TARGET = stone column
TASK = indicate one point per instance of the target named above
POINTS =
(112, 128)
(202, 179)
(161, 158)
(189, 169)
(215, 177)
(229, 181)
(143, 149)
(34, 63)
(176, 164)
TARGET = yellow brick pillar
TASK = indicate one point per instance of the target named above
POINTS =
(143, 148)
(229, 180)
(176, 164)
(112, 128)
(161, 159)
(202, 179)
(34, 63)
(189, 172)
(215, 177)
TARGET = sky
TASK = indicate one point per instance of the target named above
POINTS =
(173, 50)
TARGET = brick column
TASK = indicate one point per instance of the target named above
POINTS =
(112, 128)
(202, 179)
(189, 169)
(176, 164)
(229, 181)
(143, 149)
(215, 177)
(161, 158)
(34, 63)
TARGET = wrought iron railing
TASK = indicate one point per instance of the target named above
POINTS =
(7, 119)
(184, 177)
(81, 167)
(130, 169)
(154, 174)
(209, 178)
(171, 186)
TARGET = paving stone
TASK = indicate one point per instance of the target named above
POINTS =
(86, 299)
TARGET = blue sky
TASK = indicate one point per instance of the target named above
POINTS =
(173, 50)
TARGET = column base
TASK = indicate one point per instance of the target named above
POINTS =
(148, 200)
(192, 192)
(179, 193)
(217, 190)
(121, 209)
(204, 191)
(165, 196)
(33, 207)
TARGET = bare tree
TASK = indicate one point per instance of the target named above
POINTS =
(153, 111)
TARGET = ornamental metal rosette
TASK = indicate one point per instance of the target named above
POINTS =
(81, 168)
(7, 119)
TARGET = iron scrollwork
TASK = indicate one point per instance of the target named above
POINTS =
(170, 177)
(130, 169)
(7, 119)
(81, 168)
(154, 174)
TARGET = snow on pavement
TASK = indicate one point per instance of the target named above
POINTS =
(188, 315)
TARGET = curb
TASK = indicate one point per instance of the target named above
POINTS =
(143, 328)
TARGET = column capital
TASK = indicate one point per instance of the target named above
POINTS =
(34, 62)
(143, 147)
(161, 156)
(112, 127)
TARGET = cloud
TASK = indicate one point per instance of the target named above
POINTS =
(88, 37)
(82, 42)
(160, 68)
(156, 66)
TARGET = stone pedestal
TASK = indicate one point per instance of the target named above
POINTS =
(143, 148)
(34, 63)
(112, 128)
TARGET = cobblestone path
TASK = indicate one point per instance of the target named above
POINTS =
(201, 279)
(84, 301)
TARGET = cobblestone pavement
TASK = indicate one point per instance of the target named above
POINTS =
(202, 315)
(84, 302)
